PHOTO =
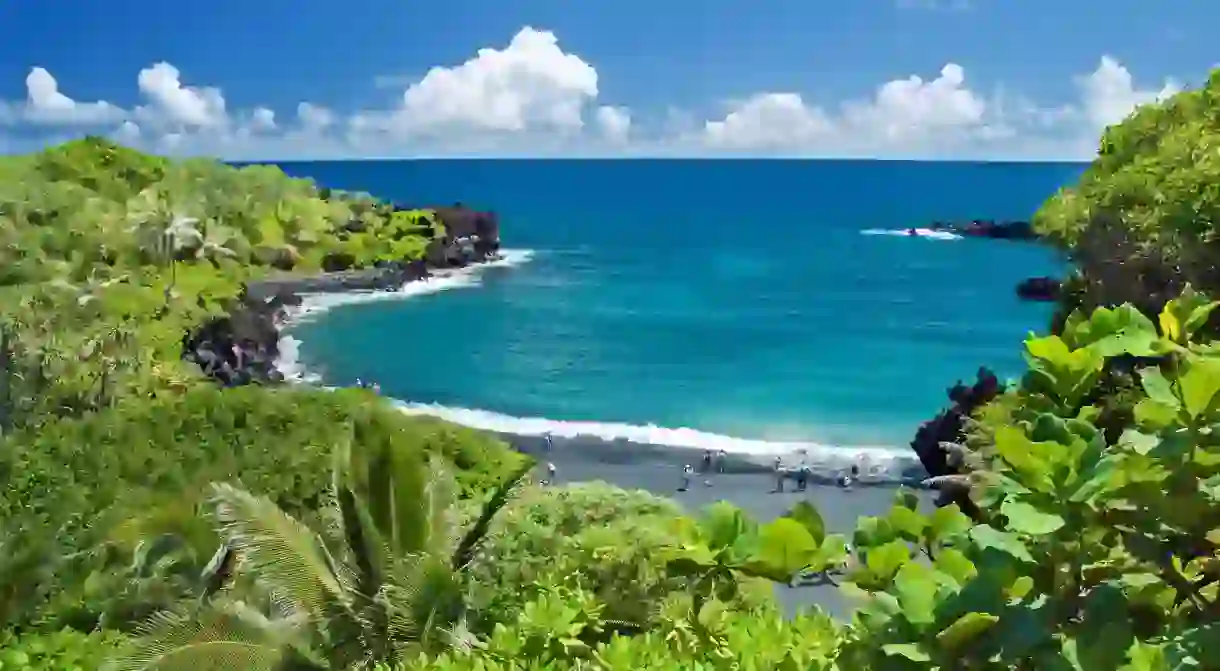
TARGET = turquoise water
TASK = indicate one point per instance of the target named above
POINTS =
(688, 303)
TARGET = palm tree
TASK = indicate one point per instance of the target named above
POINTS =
(384, 581)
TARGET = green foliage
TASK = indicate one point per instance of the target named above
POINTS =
(108, 257)
(1141, 222)
(758, 639)
(64, 650)
(1149, 169)
(1097, 555)
(384, 585)
(157, 455)
(605, 539)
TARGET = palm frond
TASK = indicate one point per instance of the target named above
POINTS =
(223, 638)
(288, 557)
(473, 538)
(396, 478)
(366, 551)
(440, 495)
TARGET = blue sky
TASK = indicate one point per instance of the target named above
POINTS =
(785, 77)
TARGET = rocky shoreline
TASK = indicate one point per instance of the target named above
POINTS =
(243, 346)
(988, 228)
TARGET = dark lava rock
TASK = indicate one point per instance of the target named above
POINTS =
(471, 236)
(988, 228)
(1039, 289)
(949, 427)
(241, 348)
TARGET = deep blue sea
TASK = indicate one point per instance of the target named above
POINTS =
(743, 305)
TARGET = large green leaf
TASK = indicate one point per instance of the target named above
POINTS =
(1158, 387)
(722, 525)
(909, 524)
(988, 537)
(786, 544)
(806, 514)
(912, 651)
(947, 522)
(965, 629)
(883, 561)
(916, 590)
(1199, 386)
(1030, 460)
(1026, 519)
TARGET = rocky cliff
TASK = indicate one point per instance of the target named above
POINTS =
(949, 427)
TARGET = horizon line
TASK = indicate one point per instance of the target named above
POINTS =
(777, 159)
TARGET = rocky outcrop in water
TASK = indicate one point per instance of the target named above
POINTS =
(949, 427)
(1039, 289)
(241, 348)
(988, 228)
(470, 236)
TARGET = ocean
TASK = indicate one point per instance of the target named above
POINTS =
(757, 307)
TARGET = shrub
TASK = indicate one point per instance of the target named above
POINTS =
(79, 476)
(606, 539)
(64, 650)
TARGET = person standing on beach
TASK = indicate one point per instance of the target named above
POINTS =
(779, 474)
(721, 456)
(802, 476)
(547, 442)
(707, 461)
(687, 472)
(550, 473)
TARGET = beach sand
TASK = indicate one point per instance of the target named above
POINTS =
(658, 469)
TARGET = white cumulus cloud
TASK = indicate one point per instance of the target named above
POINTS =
(1109, 93)
(940, 117)
(530, 85)
(263, 119)
(769, 121)
(175, 105)
(614, 122)
(45, 104)
(314, 118)
(533, 96)
(911, 114)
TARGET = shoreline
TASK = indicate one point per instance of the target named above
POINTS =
(599, 442)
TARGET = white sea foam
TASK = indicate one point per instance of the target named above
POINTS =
(881, 462)
(919, 232)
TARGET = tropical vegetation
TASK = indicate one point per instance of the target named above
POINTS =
(151, 519)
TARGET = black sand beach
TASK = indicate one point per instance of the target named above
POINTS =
(658, 469)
